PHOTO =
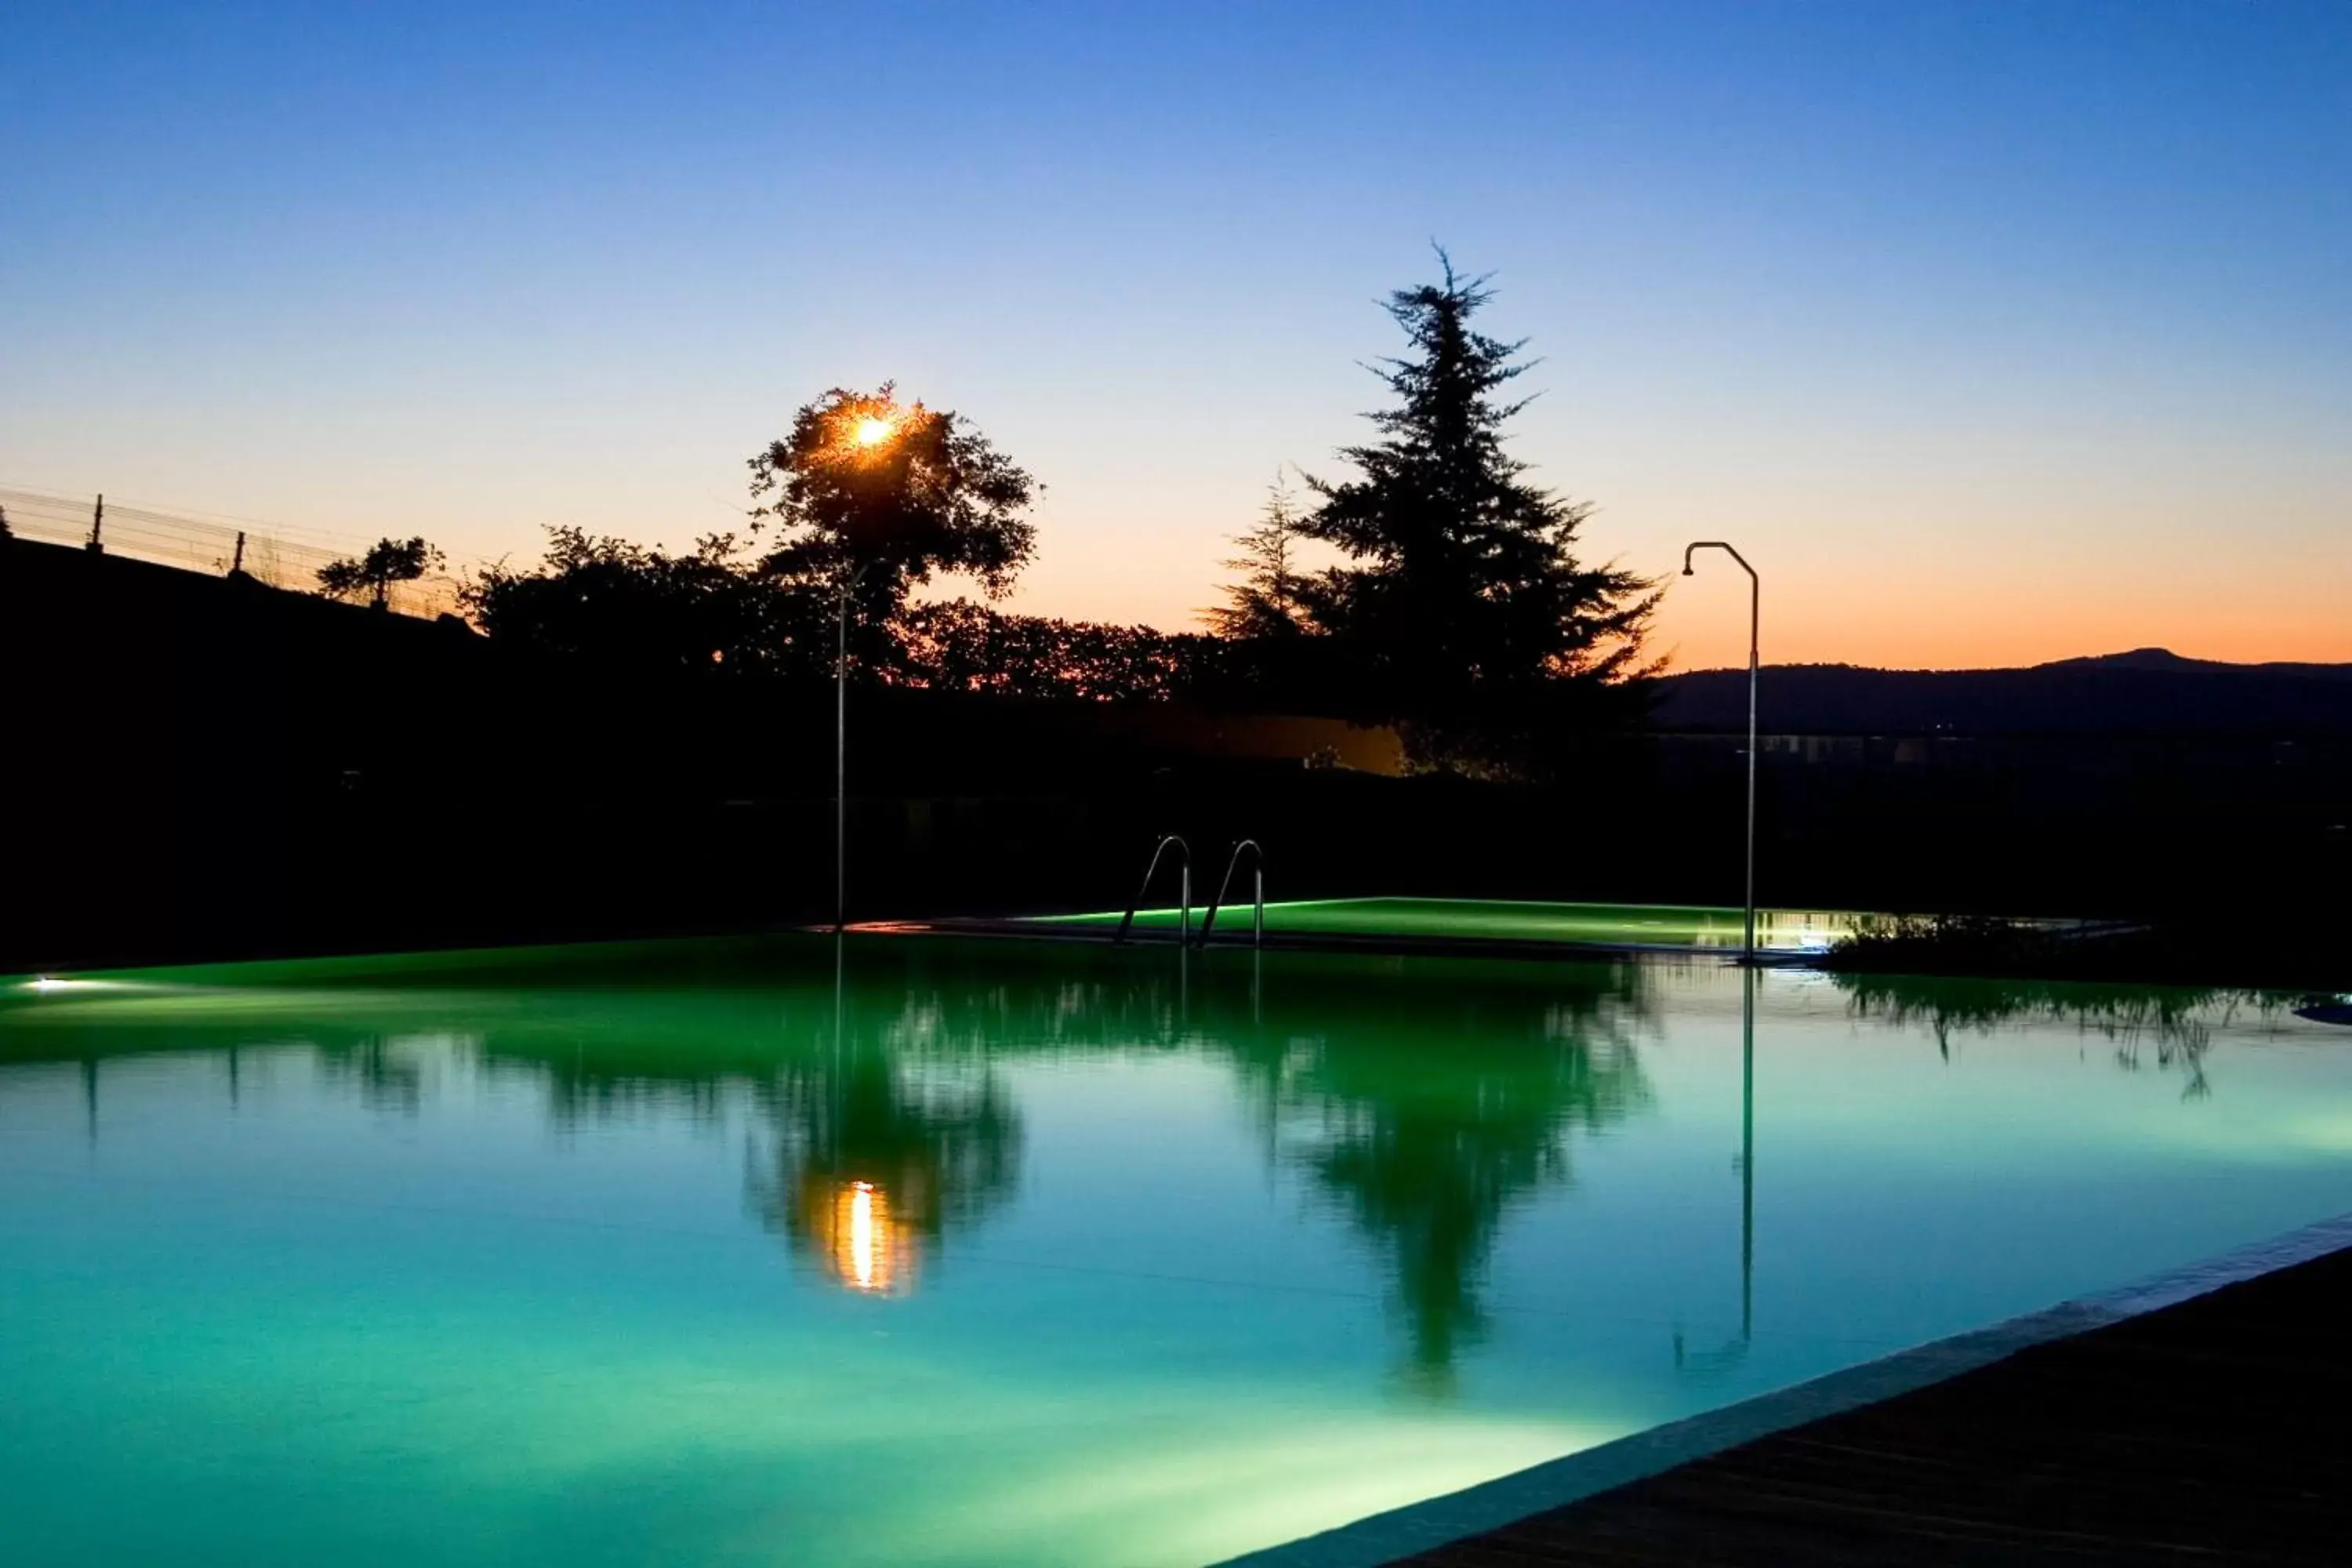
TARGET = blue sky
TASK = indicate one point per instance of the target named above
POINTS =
(1992, 332)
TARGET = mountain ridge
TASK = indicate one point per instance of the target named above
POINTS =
(2141, 690)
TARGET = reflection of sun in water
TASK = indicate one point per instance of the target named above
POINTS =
(873, 432)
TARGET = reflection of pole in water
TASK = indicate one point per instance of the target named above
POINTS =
(1747, 1148)
(1257, 988)
(1733, 1353)
(834, 1087)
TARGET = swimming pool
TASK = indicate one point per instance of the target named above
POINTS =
(954, 1251)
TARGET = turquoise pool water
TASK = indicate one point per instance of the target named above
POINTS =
(1028, 1252)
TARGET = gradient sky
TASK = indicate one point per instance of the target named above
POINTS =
(1992, 332)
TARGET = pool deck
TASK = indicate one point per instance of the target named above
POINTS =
(2213, 1431)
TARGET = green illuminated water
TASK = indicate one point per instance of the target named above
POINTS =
(1027, 1253)
(1517, 920)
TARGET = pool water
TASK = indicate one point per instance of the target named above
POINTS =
(1664, 926)
(942, 1251)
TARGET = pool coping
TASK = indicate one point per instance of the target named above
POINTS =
(1327, 942)
(1383, 1538)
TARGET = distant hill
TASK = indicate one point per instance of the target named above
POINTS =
(2165, 659)
(2149, 691)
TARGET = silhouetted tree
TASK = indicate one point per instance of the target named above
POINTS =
(886, 495)
(1266, 601)
(629, 606)
(388, 561)
(1272, 654)
(711, 612)
(959, 646)
(1467, 614)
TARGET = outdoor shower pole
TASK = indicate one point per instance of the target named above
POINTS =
(1755, 598)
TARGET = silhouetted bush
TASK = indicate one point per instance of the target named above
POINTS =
(959, 646)
(628, 606)
(387, 561)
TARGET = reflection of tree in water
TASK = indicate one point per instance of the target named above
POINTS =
(873, 1162)
(880, 1129)
(1425, 1116)
(390, 1072)
(1424, 1098)
(2172, 1026)
(875, 1130)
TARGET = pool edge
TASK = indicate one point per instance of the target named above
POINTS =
(1381, 945)
(1384, 1538)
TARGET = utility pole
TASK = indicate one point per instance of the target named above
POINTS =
(236, 566)
(97, 545)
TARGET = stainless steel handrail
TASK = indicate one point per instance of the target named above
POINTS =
(1257, 922)
(1184, 909)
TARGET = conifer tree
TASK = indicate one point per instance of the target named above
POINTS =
(1465, 610)
(1266, 601)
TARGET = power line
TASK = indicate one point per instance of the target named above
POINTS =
(282, 556)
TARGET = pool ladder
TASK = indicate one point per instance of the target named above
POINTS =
(1184, 891)
(1257, 902)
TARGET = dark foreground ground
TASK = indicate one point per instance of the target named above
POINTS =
(2213, 1432)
